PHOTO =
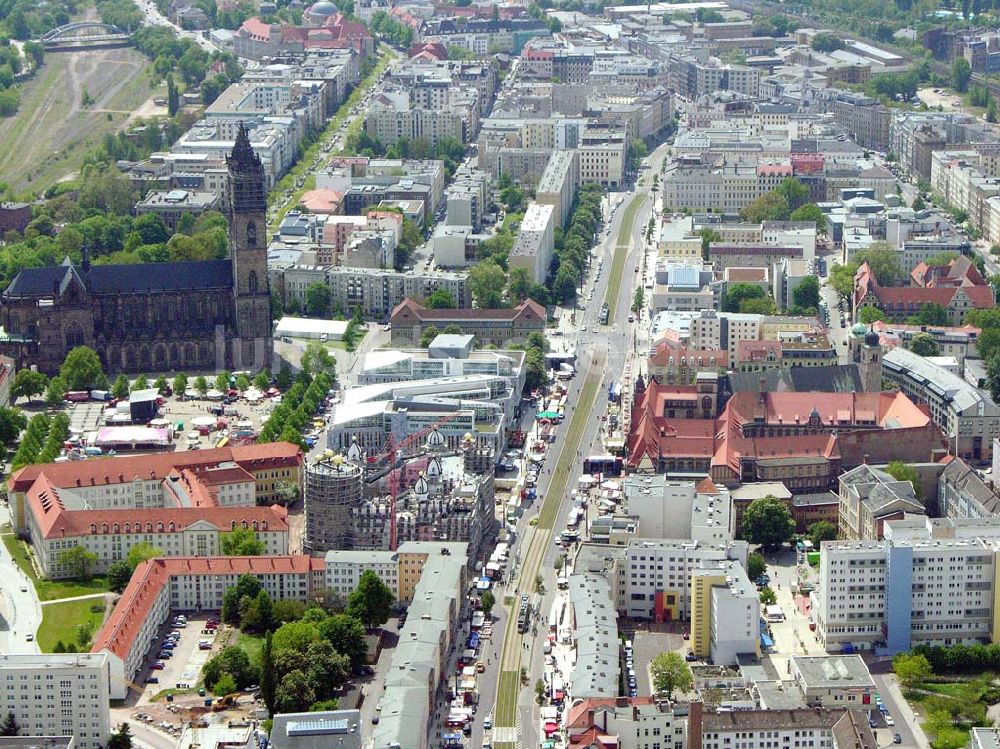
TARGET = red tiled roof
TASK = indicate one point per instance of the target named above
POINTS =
(124, 469)
(746, 275)
(525, 308)
(254, 27)
(747, 351)
(54, 521)
(706, 486)
(785, 408)
(136, 602)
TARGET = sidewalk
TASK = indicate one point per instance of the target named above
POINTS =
(906, 711)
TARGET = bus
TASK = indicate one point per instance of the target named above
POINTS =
(609, 465)
(604, 314)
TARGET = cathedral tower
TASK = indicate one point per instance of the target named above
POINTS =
(247, 200)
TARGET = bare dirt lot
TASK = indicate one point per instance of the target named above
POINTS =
(48, 137)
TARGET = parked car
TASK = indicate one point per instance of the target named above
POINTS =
(158, 666)
(897, 739)
(152, 679)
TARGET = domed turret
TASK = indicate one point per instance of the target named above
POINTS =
(434, 467)
(871, 337)
(858, 329)
(421, 489)
(355, 453)
(436, 440)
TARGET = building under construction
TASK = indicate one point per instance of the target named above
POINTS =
(437, 494)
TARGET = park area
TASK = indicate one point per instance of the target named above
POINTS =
(51, 590)
(72, 623)
(949, 693)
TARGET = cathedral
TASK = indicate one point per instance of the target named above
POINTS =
(207, 315)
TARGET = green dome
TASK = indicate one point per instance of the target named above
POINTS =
(858, 329)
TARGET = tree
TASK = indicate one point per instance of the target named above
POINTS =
(180, 384)
(242, 383)
(347, 636)
(235, 662)
(224, 685)
(317, 358)
(737, 293)
(120, 387)
(441, 299)
(486, 602)
(173, 98)
(201, 385)
(883, 261)
(55, 393)
(78, 561)
(120, 739)
(12, 423)
(242, 542)
(925, 344)
(318, 299)
(328, 670)
(81, 369)
(794, 192)
(638, 300)
(767, 522)
(256, 614)
(262, 381)
(28, 382)
(771, 206)
(991, 111)
(140, 553)
(961, 72)
(267, 681)
(912, 669)
(826, 42)
(930, 313)
(670, 673)
(822, 530)
(139, 383)
(429, 334)
(918, 203)
(811, 212)
(756, 566)
(870, 314)
(487, 282)
(842, 279)
(9, 727)
(294, 694)
(247, 586)
(371, 601)
(222, 381)
(119, 574)
(903, 472)
(806, 294)
(767, 596)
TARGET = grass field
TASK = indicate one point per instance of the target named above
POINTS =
(60, 622)
(50, 134)
(948, 709)
(51, 590)
(250, 645)
(621, 252)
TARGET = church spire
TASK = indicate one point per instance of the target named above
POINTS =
(243, 157)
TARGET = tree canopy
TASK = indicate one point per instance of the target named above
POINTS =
(670, 673)
(767, 521)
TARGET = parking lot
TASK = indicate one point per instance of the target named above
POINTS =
(183, 669)
(646, 646)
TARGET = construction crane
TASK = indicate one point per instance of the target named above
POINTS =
(392, 455)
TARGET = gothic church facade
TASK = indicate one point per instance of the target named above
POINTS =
(155, 317)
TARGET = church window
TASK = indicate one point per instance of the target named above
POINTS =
(251, 234)
(252, 282)
(74, 335)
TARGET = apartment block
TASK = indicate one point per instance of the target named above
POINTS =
(725, 613)
(534, 246)
(558, 184)
(932, 581)
(58, 695)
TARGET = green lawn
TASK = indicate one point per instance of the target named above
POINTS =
(948, 709)
(621, 252)
(60, 622)
(51, 590)
(251, 646)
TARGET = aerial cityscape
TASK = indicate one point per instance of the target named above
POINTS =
(464, 374)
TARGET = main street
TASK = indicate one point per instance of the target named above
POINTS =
(603, 353)
(20, 611)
